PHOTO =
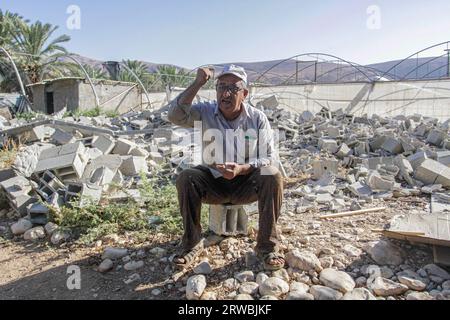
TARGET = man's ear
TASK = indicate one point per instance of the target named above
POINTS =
(246, 92)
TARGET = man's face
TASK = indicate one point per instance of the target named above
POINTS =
(230, 94)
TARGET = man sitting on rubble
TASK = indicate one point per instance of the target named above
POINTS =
(234, 182)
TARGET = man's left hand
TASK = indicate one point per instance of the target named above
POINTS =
(232, 170)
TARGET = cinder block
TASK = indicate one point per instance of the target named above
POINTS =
(7, 174)
(321, 167)
(68, 161)
(157, 157)
(38, 214)
(17, 191)
(123, 147)
(392, 146)
(343, 151)
(443, 157)
(432, 172)
(436, 137)
(104, 144)
(417, 159)
(377, 183)
(139, 124)
(102, 177)
(132, 166)
(83, 193)
(362, 148)
(328, 145)
(228, 220)
(49, 184)
(63, 137)
(139, 152)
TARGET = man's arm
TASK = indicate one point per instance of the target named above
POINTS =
(180, 112)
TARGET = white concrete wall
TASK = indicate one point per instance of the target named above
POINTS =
(428, 98)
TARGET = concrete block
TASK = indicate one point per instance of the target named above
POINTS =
(436, 137)
(7, 174)
(38, 214)
(163, 133)
(443, 157)
(49, 184)
(104, 144)
(111, 161)
(362, 148)
(123, 147)
(83, 194)
(139, 124)
(377, 183)
(102, 177)
(328, 145)
(432, 172)
(343, 151)
(270, 103)
(35, 134)
(62, 137)
(360, 190)
(68, 161)
(132, 166)
(139, 152)
(333, 132)
(228, 220)
(377, 142)
(17, 191)
(307, 116)
(393, 146)
(321, 167)
(417, 159)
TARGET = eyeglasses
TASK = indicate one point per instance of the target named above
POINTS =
(233, 88)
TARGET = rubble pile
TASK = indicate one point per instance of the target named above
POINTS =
(79, 161)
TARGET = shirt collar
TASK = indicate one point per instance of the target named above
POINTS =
(247, 114)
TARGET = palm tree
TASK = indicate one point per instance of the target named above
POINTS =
(9, 24)
(94, 72)
(39, 56)
(139, 69)
(173, 77)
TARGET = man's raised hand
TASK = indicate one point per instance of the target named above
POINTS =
(203, 76)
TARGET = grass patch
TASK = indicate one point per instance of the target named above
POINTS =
(161, 214)
(95, 112)
(8, 154)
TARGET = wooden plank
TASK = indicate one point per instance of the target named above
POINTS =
(352, 213)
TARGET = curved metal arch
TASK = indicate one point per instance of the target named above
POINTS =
(436, 69)
(16, 71)
(416, 53)
(374, 70)
(354, 65)
(421, 65)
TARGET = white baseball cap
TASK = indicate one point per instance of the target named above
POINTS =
(234, 70)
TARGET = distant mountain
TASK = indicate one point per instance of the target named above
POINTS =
(293, 71)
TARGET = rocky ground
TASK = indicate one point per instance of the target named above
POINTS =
(326, 259)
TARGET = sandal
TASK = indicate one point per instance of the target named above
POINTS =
(189, 256)
(271, 256)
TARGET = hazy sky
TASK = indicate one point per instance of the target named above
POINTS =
(193, 33)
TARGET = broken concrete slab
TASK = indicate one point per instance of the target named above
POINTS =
(360, 190)
(432, 172)
(377, 183)
(123, 147)
(104, 143)
(393, 146)
(62, 137)
(132, 166)
(321, 167)
(328, 145)
(436, 137)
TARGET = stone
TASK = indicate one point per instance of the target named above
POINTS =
(412, 284)
(105, 266)
(326, 262)
(282, 274)
(59, 236)
(436, 137)
(261, 277)
(245, 276)
(303, 260)
(133, 265)
(343, 151)
(299, 287)
(385, 253)
(244, 297)
(360, 190)
(377, 183)
(434, 270)
(268, 298)
(195, 287)
(231, 284)
(50, 228)
(338, 280)
(156, 292)
(296, 295)
(392, 146)
(359, 294)
(158, 252)
(325, 293)
(360, 282)
(209, 296)
(21, 227)
(203, 268)
(114, 253)
(446, 285)
(34, 234)
(351, 251)
(274, 287)
(419, 296)
(385, 287)
(328, 145)
(250, 288)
